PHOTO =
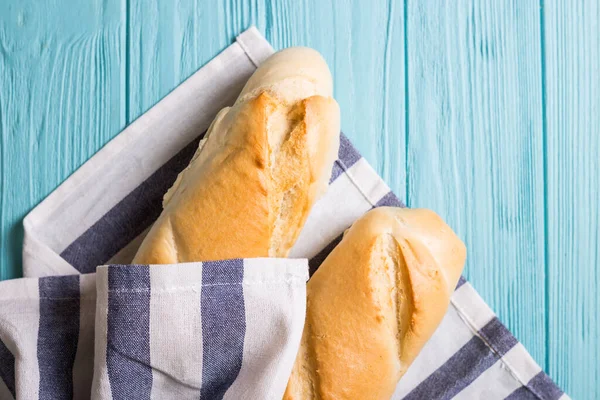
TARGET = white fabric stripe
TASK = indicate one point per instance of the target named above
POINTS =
(514, 370)
(275, 302)
(255, 46)
(275, 269)
(4, 392)
(83, 366)
(175, 277)
(564, 397)
(520, 362)
(517, 361)
(342, 204)
(176, 331)
(496, 382)
(39, 260)
(450, 336)
(100, 383)
(19, 325)
(471, 307)
(367, 181)
(183, 113)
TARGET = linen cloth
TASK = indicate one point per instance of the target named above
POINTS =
(205, 330)
(214, 330)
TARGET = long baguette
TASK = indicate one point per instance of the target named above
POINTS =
(264, 162)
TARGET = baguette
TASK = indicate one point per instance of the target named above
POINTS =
(373, 304)
(255, 176)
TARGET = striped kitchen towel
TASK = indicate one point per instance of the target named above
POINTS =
(214, 330)
(102, 212)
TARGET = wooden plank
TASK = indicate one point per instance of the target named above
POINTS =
(59, 102)
(167, 42)
(153, 54)
(572, 72)
(475, 146)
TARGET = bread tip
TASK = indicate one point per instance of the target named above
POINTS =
(291, 74)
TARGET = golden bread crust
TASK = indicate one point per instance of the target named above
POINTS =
(252, 183)
(374, 303)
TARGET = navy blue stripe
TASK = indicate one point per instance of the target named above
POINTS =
(347, 157)
(544, 387)
(129, 218)
(473, 359)
(336, 171)
(128, 332)
(347, 153)
(498, 337)
(315, 262)
(7, 368)
(390, 200)
(58, 335)
(522, 393)
(223, 326)
(540, 387)
(461, 282)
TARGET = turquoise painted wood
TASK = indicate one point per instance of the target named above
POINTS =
(486, 111)
(475, 146)
(572, 124)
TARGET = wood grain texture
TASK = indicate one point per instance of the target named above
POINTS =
(60, 97)
(572, 97)
(475, 147)
(486, 111)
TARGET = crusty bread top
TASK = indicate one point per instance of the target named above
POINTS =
(374, 303)
(292, 74)
(257, 173)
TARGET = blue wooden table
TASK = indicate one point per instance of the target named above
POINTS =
(486, 111)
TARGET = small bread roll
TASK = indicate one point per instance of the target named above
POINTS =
(374, 303)
(256, 175)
